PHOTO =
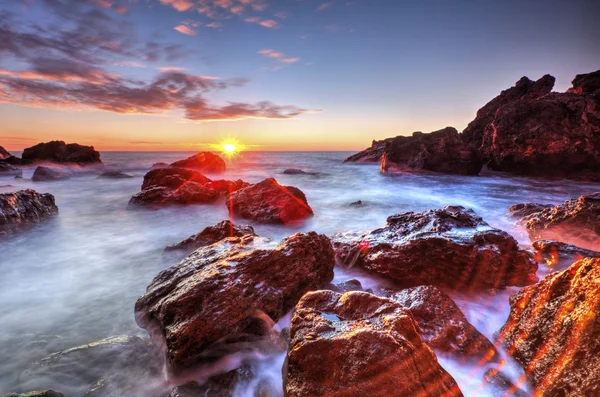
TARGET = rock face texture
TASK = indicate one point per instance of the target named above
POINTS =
(439, 151)
(203, 162)
(450, 247)
(44, 174)
(556, 253)
(60, 152)
(4, 154)
(359, 344)
(524, 89)
(443, 326)
(553, 329)
(24, 208)
(220, 293)
(523, 210)
(588, 83)
(270, 202)
(213, 234)
(372, 154)
(574, 222)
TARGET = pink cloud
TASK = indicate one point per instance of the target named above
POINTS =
(179, 5)
(171, 69)
(185, 30)
(269, 23)
(289, 60)
(214, 25)
(278, 57)
(325, 6)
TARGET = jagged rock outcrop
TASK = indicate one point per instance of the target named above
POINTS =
(24, 208)
(61, 152)
(439, 151)
(372, 154)
(45, 174)
(359, 344)
(211, 235)
(450, 247)
(270, 202)
(553, 329)
(524, 89)
(222, 294)
(203, 162)
(588, 83)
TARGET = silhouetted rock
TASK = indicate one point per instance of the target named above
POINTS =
(115, 175)
(23, 208)
(12, 160)
(359, 344)
(4, 154)
(573, 222)
(501, 386)
(60, 152)
(203, 162)
(270, 202)
(45, 393)
(439, 151)
(211, 235)
(6, 168)
(450, 247)
(295, 171)
(442, 324)
(524, 89)
(522, 210)
(557, 253)
(372, 154)
(43, 174)
(216, 300)
(553, 329)
(588, 83)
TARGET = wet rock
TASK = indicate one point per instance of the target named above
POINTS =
(216, 300)
(588, 83)
(439, 151)
(556, 253)
(115, 175)
(346, 286)
(574, 222)
(358, 203)
(4, 154)
(225, 187)
(203, 162)
(553, 329)
(450, 247)
(60, 152)
(223, 385)
(43, 174)
(24, 208)
(522, 210)
(524, 89)
(45, 393)
(501, 386)
(358, 344)
(295, 171)
(443, 325)
(372, 154)
(270, 202)
(212, 234)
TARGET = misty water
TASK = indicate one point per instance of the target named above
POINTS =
(75, 279)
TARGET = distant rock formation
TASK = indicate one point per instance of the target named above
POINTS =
(115, 175)
(203, 162)
(44, 174)
(23, 208)
(62, 153)
(4, 154)
(372, 154)
(296, 171)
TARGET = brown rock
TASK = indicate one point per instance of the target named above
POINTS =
(451, 247)
(358, 344)
(553, 329)
(24, 208)
(588, 83)
(203, 162)
(556, 253)
(213, 234)
(501, 386)
(523, 210)
(60, 152)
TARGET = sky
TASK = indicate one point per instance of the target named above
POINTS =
(154, 75)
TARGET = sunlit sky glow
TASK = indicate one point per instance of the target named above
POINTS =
(273, 74)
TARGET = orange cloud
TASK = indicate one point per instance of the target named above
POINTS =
(185, 30)
(179, 5)
(278, 56)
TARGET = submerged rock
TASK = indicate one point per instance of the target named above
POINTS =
(223, 385)
(553, 329)
(212, 234)
(372, 154)
(217, 300)
(443, 325)
(23, 208)
(358, 344)
(60, 152)
(270, 202)
(522, 210)
(203, 162)
(45, 393)
(450, 247)
(295, 171)
(438, 151)
(43, 174)
(115, 175)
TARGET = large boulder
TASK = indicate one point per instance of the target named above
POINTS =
(574, 222)
(203, 162)
(23, 208)
(61, 152)
(359, 344)
(553, 329)
(524, 89)
(211, 235)
(450, 247)
(226, 292)
(588, 83)
(372, 154)
(270, 202)
(44, 174)
(443, 325)
(439, 151)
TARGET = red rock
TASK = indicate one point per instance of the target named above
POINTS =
(213, 234)
(204, 162)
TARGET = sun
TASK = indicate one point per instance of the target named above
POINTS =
(229, 147)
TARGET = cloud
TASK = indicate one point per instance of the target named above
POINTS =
(179, 5)
(269, 23)
(325, 6)
(185, 30)
(214, 25)
(171, 69)
(278, 57)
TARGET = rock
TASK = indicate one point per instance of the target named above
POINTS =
(443, 325)
(60, 152)
(522, 210)
(219, 294)
(159, 165)
(270, 202)
(6, 168)
(438, 151)
(358, 203)
(372, 154)
(45, 393)
(216, 386)
(346, 286)
(295, 171)
(212, 234)
(115, 175)
(573, 222)
(358, 344)
(588, 83)
(204, 162)
(4, 154)
(19, 176)
(501, 386)
(12, 160)
(225, 187)
(557, 253)
(43, 174)
(24, 208)
(524, 89)
(450, 247)
(552, 330)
